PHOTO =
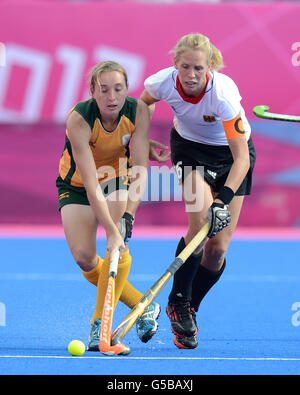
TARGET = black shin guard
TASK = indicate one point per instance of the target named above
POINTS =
(183, 278)
(203, 281)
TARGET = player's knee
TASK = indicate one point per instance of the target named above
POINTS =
(216, 249)
(84, 259)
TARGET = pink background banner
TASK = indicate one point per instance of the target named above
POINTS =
(47, 49)
(50, 47)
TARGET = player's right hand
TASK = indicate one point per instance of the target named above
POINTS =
(162, 156)
(219, 217)
(114, 242)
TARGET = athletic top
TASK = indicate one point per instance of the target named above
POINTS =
(200, 119)
(110, 149)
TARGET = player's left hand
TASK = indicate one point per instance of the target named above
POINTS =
(219, 217)
(162, 155)
(126, 225)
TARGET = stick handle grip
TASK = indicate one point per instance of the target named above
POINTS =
(198, 240)
(113, 267)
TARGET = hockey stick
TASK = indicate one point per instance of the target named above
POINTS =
(262, 112)
(107, 314)
(147, 299)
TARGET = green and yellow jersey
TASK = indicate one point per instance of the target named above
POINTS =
(110, 149)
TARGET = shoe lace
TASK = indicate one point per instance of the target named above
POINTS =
(183, 310)
(96, 330)
(146, 317)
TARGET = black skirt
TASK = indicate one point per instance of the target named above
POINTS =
(214, 162)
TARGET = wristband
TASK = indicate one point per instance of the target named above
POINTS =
(128, 216)
(226, 194)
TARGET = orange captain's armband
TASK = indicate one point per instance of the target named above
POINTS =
(234, 128)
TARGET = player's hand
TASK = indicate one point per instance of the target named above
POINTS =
(126, 225)
(114, 242)
(162, 155)
(219, 217)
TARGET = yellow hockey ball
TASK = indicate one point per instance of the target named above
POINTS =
(76, 348)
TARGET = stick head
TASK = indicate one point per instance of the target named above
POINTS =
(117, 349)
(125, 349)
(259, 111)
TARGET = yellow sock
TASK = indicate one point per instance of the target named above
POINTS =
(130, 295)
(93, 275)
(123, 271)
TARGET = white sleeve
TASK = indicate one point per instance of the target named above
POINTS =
(157, 84)
(229, 102)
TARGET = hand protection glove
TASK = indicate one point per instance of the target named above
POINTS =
(126, 224)
(218, 217)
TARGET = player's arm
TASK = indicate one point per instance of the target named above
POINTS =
(140, 155)
(139, 171)
(241, 164)
(219, 215)
(162, 155)
(79, 134)
(238, 145)
(149, 100)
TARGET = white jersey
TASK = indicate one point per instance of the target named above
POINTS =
(200, 121)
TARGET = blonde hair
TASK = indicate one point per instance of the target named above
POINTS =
(197, 41)
(108, 65)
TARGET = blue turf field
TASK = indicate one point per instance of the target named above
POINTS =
(247, 324)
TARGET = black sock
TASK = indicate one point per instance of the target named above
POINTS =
(203, 281)
(183, 278)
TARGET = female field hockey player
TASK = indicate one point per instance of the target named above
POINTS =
(95, 186)
(214, 156)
